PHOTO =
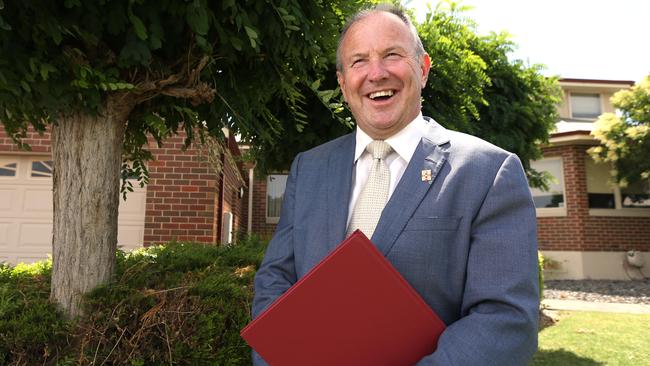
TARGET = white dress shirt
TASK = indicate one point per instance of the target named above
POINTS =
(403, 143)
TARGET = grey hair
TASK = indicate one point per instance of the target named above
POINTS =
(383, 7)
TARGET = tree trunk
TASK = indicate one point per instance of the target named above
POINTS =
(87, 155)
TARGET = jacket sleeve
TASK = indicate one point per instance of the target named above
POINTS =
(277, 272)
(499, 311)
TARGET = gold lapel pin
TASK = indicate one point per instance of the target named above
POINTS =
(426, 175)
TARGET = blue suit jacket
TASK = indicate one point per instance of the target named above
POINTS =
(466, 240)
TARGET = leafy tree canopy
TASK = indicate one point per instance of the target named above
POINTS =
(472, 88)
(168, 63)
(625, 136)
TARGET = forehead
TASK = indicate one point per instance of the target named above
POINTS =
(377, 31)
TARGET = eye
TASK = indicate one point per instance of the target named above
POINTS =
(357, 62)
(393, 55)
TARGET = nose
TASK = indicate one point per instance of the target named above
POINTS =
(377, 70)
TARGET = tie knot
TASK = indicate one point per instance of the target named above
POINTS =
(379, 149)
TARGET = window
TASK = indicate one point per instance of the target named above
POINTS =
(275, 185)
(585, 106)
(550, 202)
(8, 170)
(611, 200)
(41, 169)
(601, 193)
(636, 195)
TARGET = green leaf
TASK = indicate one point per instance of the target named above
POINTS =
(32, 64)
(156, 123)
(252, 36)
(45, 70)
(236, 43)
(138, 25)
(283, 11)
(25, 86)
(251, 32)
(197, 18)
(126, 86)
(201, 42)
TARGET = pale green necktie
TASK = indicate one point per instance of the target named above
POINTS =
(374, 194)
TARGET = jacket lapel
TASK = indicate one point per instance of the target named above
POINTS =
(430, 155)
(339, 181)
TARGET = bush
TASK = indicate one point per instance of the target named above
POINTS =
(181, 303)
(31, 331)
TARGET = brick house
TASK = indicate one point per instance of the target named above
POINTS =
(585, 225)
(188, 197)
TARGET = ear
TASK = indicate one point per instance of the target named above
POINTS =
(341, 79)
(425, 66)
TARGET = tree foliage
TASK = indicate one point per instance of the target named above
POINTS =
(197, 64)
(473, 87)
(625, 136)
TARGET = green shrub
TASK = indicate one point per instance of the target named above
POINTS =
(31, 330)
(180, 303)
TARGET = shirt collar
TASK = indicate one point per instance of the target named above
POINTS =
(403, 142)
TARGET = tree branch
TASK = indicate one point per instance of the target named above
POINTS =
(184, 84)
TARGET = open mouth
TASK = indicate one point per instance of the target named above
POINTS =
(381, 95)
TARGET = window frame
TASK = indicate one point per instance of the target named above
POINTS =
(553, 211)
(40, 175)
(4, 164)
(601, 107)
(618, 209)
(273, 219)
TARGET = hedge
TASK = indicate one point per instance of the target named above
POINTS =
(180, 304)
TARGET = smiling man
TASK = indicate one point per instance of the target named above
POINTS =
(451, 212)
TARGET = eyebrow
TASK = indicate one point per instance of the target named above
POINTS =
(383, 52)
(395, 48)
(358, 55)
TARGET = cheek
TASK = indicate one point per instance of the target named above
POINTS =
(350, 85)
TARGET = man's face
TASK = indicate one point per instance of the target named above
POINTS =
(381, 79)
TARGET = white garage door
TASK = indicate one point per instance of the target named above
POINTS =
(26, 210)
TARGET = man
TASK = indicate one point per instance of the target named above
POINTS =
(458, 224)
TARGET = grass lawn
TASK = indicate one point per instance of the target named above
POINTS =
(593, 338)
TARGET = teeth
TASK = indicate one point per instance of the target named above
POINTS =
(383, 93)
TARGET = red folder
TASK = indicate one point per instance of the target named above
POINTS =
(353, 308)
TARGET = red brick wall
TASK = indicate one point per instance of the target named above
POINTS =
(181, 195)
(578, 231)
(184, 200)
(617, 233)
(38, 143)
(183, 192)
